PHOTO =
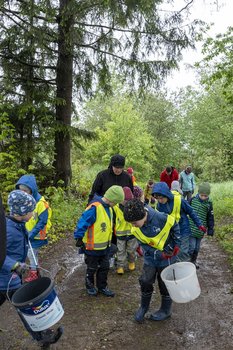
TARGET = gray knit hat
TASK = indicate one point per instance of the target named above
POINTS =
(134, 210)
(20, 203)
(204, 188)
(175, 186)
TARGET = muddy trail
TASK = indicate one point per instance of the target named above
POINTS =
(92, 323)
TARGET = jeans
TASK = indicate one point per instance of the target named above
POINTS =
(194, 245)
(183, 254)
(148, 277)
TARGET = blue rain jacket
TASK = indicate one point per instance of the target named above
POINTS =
(17, 249)
(161, 188)
(155, 222)
(30, 181)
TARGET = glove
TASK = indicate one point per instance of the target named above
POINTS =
(168, 255)
(202, 228)
(79, 243)
(19, 268)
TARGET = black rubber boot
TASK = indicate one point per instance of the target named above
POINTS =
(165, 310)
(194, 259)
(145, 303)
(50, 337)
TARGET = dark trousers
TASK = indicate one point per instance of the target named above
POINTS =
(148, 278)
(99, 266)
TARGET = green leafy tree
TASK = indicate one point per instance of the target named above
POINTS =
(124, 132)
(208, 118)
(161, 118)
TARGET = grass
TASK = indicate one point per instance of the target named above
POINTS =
(222, 196)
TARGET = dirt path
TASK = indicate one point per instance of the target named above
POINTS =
(107, 323)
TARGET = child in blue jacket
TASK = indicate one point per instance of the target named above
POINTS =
(93, 235)
(175, 205)
(39, 224)
(21, 206)
(159, 236)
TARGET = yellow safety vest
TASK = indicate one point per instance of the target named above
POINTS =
(159, 240)
(98, 236)
(41, 206)
(177, 206)
(122, 227)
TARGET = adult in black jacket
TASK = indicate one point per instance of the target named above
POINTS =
(2, 234)
(114, 175)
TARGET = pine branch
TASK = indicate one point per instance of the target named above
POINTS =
(12, 56)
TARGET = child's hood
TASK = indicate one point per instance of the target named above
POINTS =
(29, 181)
(161, 188)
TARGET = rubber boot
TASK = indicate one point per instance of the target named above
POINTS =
(165, 310)
(194, 259)
(145, 303)
(50, 337)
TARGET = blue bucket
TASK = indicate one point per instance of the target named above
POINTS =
(38, 304)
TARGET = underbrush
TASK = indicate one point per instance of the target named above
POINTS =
(66, 210)
(222, 196)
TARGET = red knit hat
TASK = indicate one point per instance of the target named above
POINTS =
(128, 193)
(130, 171)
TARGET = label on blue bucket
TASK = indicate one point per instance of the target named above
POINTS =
(43, 315)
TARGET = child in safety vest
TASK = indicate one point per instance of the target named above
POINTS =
(173, 204)
(159, 236)
(126, 242)
(39, 225)
(93, 236)
(203, 206)
(21, 206)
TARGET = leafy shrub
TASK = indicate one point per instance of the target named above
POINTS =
(66, 209)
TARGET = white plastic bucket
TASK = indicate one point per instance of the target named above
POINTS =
(181, 282)
(38, 304)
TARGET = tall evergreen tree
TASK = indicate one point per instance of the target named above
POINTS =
(73, 44)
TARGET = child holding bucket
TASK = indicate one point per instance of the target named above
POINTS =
(38, 225)
(21, 207)
(173, 204)
(203, 206)
(159, 236)
(93, 235)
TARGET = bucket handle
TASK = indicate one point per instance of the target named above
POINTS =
(174, 275)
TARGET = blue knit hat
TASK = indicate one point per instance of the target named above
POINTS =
(20, 203)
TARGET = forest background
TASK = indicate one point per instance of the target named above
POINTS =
(83, 80)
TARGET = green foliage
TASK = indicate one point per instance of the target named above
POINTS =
(162, 124)
(9, 156)
(219, 61)
(222, 196)
(120, 129)
(47, 48)
(205, 120)
(65, 212)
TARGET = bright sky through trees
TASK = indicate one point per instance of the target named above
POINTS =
(221, 16)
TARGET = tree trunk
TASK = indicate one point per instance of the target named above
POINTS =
(64, 80)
